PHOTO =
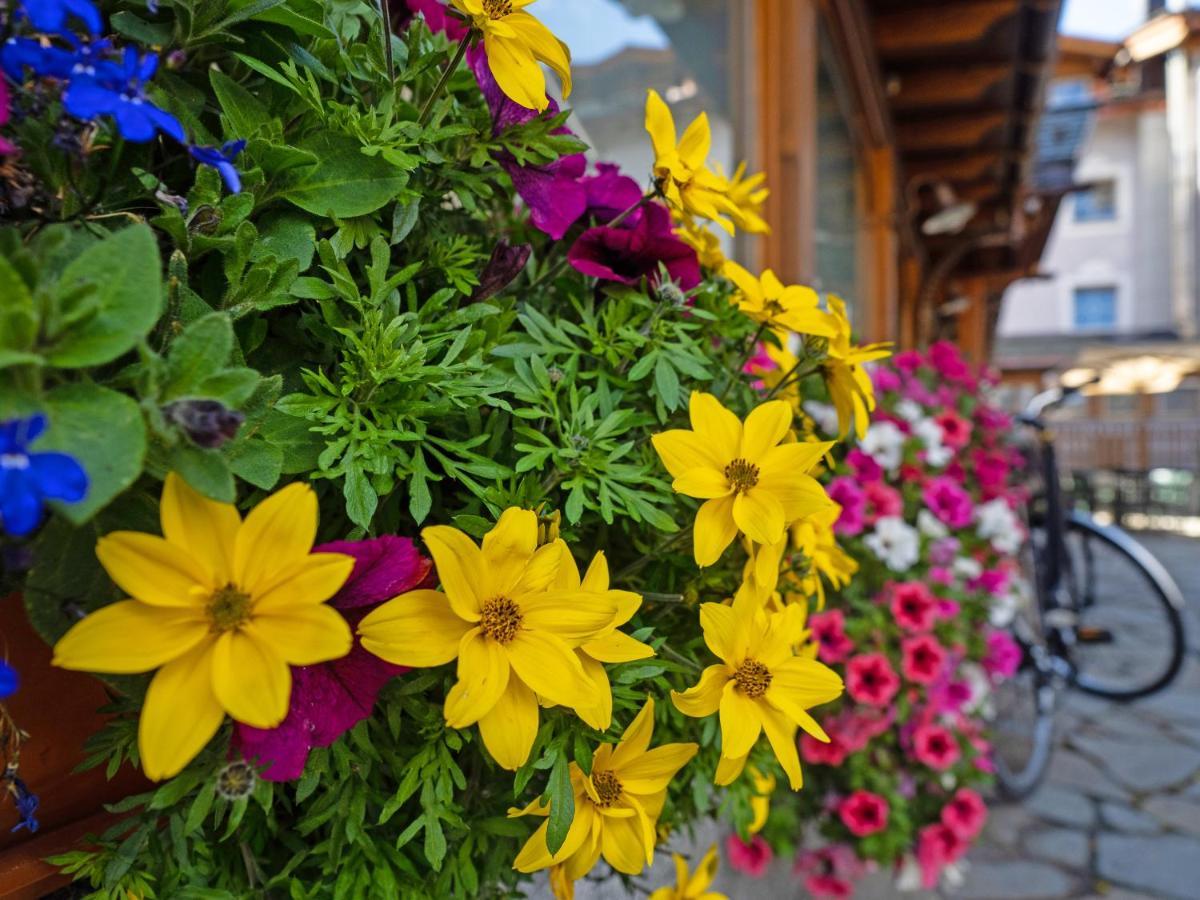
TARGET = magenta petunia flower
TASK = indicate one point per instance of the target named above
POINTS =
(830, 871)
(6, 147)
(829, 632)
(937, 847)
(936, 747)
(882, 502)
(1003, 655)
(863, 466)
(634, 250)
(864, 813)
(849, 496)
(965, 814)
(870, 679)
(948, 501)
(436, 17)
(750, 857)
(922, 658)
(913, 606)
(609, 193)
(329, 699)
(956, 431)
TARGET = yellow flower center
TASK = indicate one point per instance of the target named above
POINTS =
(741, 475)
(497, 9)
(228, 608)
(608, 788)
(752, 678)
(501, 619)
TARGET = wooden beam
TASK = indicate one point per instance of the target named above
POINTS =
(957, 166)
(905, 32)
(967, 131)
(946, 86)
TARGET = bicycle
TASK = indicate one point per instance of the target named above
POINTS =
(1095, 600)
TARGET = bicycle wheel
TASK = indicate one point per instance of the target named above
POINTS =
(1128, 625)
(1022, 717)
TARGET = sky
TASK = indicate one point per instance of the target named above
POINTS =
(1107, 19)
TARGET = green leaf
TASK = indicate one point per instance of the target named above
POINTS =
(562, 805)
(666, 381)
(287, 235)
(345, 183)
(205, 470)
(124, 273)
(300, 445)
(200, 351)
(18, 316)
(233, 387)
(245, 112)
(105, 431)
(361, 499)
(257, 461)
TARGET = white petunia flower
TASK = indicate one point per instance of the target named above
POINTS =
(895, 543)
(930, 525)
(884, 443)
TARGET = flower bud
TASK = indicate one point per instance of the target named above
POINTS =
(207, 423)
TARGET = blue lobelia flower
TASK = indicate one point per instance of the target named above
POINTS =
(9, 680)
(221, 159)
(26, 801)
(51, 15)
(120, 92)
(85, 58)
(27, 479)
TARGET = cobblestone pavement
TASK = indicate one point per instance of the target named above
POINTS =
(1118, 815)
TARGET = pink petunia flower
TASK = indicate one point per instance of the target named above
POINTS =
(863, 466)
(937, 847)
(846, 493)
(330, 698)
(956, 431)
(913, 606)
(884, 379)
(908, 361)
(935, 747)
(947, 359)
(1003, 656)
(828, 630)
(870, 679)
(864, 813)
(965, 814)
(750, 857)
(882, 502)
(823, 753)
(948, 501)
(922, 658)
(830, 871)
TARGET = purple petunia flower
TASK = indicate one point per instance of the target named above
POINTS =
(221, 159)
(609, 193)
(51, 15)
(9, 680)
(435, 14)
(28, 480)
(329, 699)
(634, 249)
(103, 93)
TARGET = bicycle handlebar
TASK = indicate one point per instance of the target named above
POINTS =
(1032, 414)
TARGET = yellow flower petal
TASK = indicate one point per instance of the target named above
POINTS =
(729, 769)
(205, 528)
(741, 722)
(623, 845)
(684, 451)
(545, 46)
(535, 855)
(660, 125)
(703, 698)
(713, 531)
(541, 571)
(276, 534)
(704, 484)
(180, 714)
(724, 632)
(653, 770)
(416, 629)
(305, 635)
(786, 460)
(765, 427)
(759, 515)
(799, 496)
(508, 731)
(596, 577)
(250, 679)
(782, 735)
(153, 570)
(516, 71)
(617, 647)
(310, 582)
(572, 616)
(483, 673)
(507, 548)
(694, 145)
(634, 739)
(130, 637)
(550, 668)
(599, 714)
(715, 424)
(459, 568)
(807, 681)
(705, 872)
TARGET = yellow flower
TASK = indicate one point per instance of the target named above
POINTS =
(848, 383)
(815, 539)
(513, 635)
(760, 685)
(767, 300)
(748, 195)
(221, 607)
(681, 170)
(692, 886)
(616, 807)
(760, 803)
(611, 646)
(515, 43)
(706, 244)
(749, 480)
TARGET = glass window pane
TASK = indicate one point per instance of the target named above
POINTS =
(1097, 204)
(1096, 307)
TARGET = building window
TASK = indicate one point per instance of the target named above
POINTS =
(1179, 403)
(1097, 203)
(1096, 308)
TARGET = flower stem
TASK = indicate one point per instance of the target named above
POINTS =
(762, 326)
(787, 378)
(652, 597)
(629, 212)
(445, 79)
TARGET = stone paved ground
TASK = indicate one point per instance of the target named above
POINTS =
(1117, 817)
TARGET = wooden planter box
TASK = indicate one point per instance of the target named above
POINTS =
(59, 711)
